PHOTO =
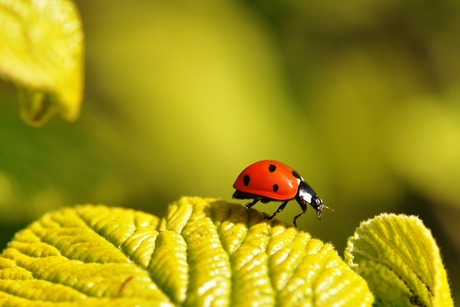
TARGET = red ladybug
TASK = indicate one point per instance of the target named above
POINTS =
(270, 180)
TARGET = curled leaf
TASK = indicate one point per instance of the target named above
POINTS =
(41, 52)
(400, 260)
(203, 252)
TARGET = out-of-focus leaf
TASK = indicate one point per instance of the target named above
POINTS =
(204, 252)
(41, 52)
(400, 260)
(426, 129)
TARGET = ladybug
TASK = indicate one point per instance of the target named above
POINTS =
(270, 180)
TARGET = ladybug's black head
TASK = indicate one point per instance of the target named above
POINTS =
(317, 203)
(306, 195)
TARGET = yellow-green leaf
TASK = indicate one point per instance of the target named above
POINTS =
(400, 260)
(41, 52)
(204, 252)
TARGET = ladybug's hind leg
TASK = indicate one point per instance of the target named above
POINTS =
(280, 208)
(255, 201)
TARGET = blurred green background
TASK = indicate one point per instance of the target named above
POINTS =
(361, 97)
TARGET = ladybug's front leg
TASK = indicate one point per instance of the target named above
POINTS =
(255, 201)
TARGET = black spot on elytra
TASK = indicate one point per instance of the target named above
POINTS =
(272, 168)
(296, 175)
(246, 180)
(275, 187)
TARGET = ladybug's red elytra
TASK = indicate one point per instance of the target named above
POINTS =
(270, 180)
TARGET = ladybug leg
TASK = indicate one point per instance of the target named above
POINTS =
(280, 208)
(251, 204)
(304, 209)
